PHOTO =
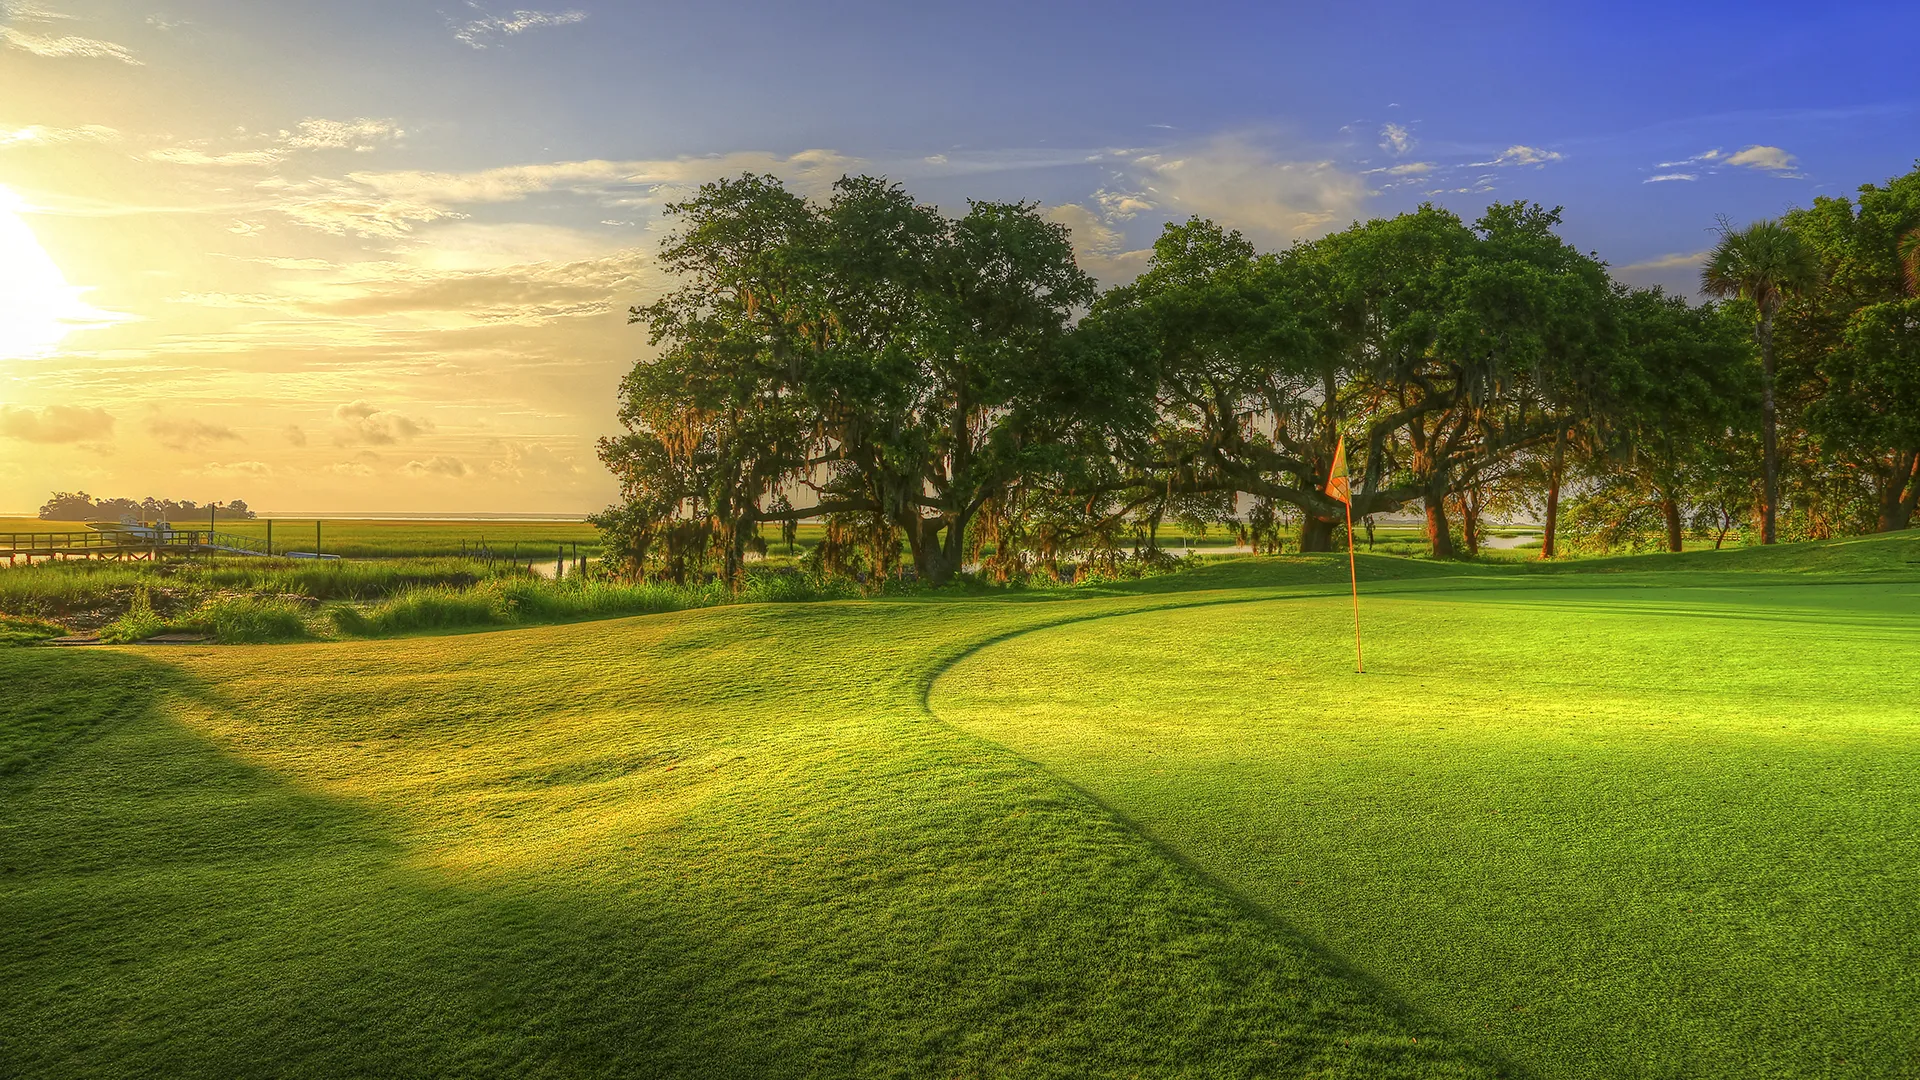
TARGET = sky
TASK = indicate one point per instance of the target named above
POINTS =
(366, 256)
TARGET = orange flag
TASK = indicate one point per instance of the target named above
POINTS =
(1337, 488)
(1337, 481)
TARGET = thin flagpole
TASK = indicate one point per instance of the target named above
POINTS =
(1359, 664)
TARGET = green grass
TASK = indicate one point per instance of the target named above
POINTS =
(1618, 823)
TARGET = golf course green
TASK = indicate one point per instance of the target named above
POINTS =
(1640, 817)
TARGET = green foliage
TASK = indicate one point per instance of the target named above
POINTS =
(917, 359)
(138, 624)
(235, 620)
(20, 630)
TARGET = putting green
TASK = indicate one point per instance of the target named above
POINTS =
(1610, 831)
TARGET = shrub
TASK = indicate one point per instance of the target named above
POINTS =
(242, 619)
(138, 624)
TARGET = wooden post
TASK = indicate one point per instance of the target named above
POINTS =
(269, 537)
(316, 538)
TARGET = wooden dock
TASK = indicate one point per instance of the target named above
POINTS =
(143, 544)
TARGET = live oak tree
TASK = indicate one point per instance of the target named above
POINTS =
(1482, 341)
(1853, 346)
(1685, 385)
(868, 358)
(1438, 350)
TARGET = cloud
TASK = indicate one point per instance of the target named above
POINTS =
(1098, 247)
(437, 465)
(532, 459)
(295, 436)
(1663, 177)
(188, 434)
(255, 469)
(187, 155)
(390, 205)
(41, 135)
(1523, 155)
(1244, 187)
(54, 424)
(58, 46)
(359, 135)
(1765, 158)
(1122, 205)
(346, 209)
(528, 293)
(1411, 168)
(480, 32)
(1395, 139)
(361, 422)
(1676, 261)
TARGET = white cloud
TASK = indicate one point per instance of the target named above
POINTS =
(1395, 139)
(391, 204)
(480, 32)
(1098, 247)
(1411, 168)
(1664, 177)
(54, 424)
(361, 422)
(1766, 158)
(532, 459)
(188, 434)
(1122, 205)
(39, 134)
(1524, 155)
(437, 465)
(360, 135)
(57, 46)
(186, 155)
(1244, 187)
(1676, 261)
(254, 469)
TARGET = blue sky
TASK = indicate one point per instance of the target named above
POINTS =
(374, 255)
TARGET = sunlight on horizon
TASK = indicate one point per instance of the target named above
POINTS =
(38, 308)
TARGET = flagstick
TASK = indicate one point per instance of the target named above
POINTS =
(1359, 665)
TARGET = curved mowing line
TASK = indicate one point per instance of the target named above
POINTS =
(1410, 1016)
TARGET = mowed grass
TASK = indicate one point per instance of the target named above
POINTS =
(849, 839)
(1627, 831)
(727, 842)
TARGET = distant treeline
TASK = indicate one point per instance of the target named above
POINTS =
(80, 506)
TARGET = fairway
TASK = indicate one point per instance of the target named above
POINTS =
(1636, 823)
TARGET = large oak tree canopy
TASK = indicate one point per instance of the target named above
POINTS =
(957, 384)
(885, 359)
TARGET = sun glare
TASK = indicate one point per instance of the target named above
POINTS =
(37, 306)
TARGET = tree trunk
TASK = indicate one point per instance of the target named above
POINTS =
(1670, 510)
(1554, 467)
(1439, 533)
(1470, 524)
(1898, 497)
(1769, 436)
(1315, 534)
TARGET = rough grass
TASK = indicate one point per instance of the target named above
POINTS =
(17, 630)
(736, 842)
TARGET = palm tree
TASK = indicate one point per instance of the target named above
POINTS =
(1910, 260)
(1765, 263)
